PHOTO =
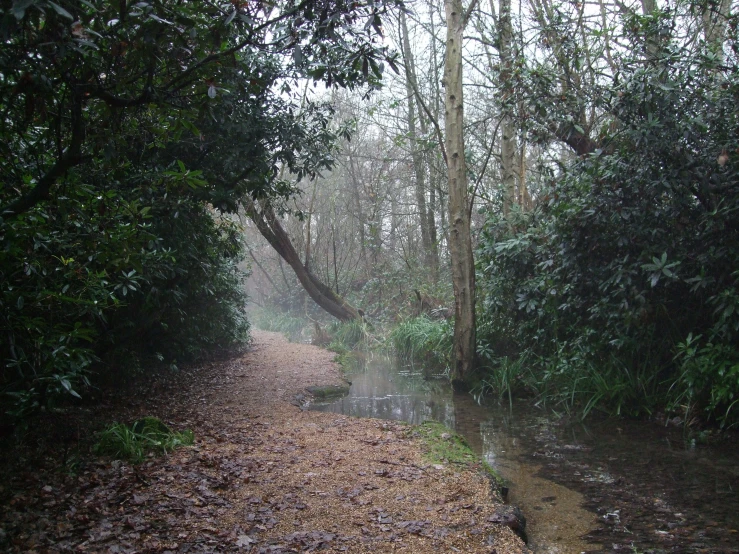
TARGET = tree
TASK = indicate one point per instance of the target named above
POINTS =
(269, 226)
(620, 290)
(72, 73)
(426, 214)
(460, 240)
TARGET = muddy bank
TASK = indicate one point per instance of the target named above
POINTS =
(263, 476)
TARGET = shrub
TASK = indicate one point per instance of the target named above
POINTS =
(634, 248)
(423, 340)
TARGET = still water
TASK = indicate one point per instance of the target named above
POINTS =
(598, 486)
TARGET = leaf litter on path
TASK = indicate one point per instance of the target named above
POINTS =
(262, 477)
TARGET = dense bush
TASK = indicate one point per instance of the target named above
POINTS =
(621, 286)
(98, 279)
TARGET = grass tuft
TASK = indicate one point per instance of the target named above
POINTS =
(350, 335)
(135, 442)
(423, 340)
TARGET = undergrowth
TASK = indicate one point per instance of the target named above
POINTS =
(350, 335)
(144, 436)
(294, 328)
(574, 381)
(423, 340)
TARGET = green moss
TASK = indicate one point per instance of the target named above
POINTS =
(441, 445)
(328, 391)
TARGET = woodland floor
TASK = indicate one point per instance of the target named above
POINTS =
(263, 476)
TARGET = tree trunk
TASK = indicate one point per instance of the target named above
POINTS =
(508, 164)
(715, 19)
(271, 229)
(508, 139)
(460, 240)
(419, 169)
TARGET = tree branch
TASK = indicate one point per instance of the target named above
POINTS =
(71, 157)
(468, 13)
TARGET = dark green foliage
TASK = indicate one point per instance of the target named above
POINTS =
(124, 127)
(622, 285)
(97, 279)
(145, 436)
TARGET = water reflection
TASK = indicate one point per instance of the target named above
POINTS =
(379, 391)
(621, 484)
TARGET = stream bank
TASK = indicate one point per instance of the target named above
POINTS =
(264, 476)
(597, 486)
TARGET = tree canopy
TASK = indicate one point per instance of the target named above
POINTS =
(125, 126)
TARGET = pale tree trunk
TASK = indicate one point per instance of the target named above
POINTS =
(460, 240)
(508, 164)
(436, 176)
(508, 139)
(308, 224)
(432, 229)
(270, 228)
(648, 6)
(524, 198)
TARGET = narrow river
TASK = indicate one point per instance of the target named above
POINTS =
(598, 486)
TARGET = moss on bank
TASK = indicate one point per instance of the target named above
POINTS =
(324, 392)
(441, 445)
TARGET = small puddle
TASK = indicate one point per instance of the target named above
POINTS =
(603, 486)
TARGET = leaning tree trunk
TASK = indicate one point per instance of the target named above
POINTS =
(271, 229)
(460, 240)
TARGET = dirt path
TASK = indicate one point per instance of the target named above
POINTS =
(263, 477)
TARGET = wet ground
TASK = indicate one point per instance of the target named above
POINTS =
(598, 486)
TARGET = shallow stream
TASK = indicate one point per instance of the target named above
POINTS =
(598, 486)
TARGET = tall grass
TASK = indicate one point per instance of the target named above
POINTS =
(423, 340)
(574, 381)
(504, 377)
(351, 335)
(580, 383)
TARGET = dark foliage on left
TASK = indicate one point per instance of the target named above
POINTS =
(127, 131)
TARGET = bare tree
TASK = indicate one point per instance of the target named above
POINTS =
(460, 237)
